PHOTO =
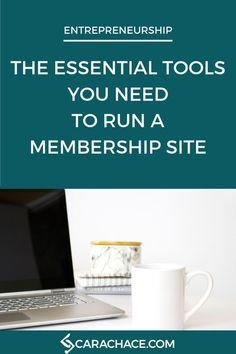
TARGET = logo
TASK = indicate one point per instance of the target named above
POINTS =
(67, 344)
(112, 343)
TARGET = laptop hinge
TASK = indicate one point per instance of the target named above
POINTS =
(65, 290)
(56, 291)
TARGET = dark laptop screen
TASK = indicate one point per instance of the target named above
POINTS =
(35, 249)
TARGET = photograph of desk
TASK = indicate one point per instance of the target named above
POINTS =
(192, 227)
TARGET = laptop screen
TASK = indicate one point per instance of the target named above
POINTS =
(35, 249)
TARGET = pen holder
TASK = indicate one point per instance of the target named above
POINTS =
(114, 258)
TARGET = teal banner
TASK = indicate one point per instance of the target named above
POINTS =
(61, 342)
(118, 95)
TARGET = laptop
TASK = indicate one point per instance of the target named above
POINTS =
(37, 284)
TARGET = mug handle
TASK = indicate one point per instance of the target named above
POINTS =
(209, 278)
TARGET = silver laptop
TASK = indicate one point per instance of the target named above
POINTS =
(36, 273)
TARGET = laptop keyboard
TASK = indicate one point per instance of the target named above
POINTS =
(40, 302)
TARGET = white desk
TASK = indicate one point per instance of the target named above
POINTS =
(215, 315)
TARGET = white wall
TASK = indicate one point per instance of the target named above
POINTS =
(192, 227)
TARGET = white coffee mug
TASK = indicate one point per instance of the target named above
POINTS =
(158, 295)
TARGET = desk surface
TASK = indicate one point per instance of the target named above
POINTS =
(214, 315)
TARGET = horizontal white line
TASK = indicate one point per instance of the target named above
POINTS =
(117, 40)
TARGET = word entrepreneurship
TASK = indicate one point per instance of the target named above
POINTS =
(116, 30)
